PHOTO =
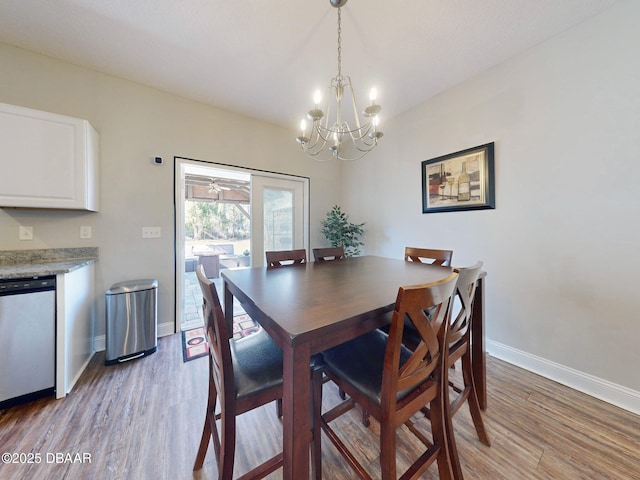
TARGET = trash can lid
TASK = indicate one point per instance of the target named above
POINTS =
(132, 286)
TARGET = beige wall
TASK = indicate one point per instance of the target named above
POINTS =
(561, 248)
(137, 123)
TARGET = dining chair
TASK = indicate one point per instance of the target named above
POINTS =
(393, 383)
(282, 258)
(244, 374)
(328, 253)
(459, 348)
(428, 255)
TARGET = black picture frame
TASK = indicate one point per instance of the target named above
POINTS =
(442, 190)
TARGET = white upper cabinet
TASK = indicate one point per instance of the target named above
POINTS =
(47, 160)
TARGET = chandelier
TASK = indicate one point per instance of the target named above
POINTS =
(344, 137)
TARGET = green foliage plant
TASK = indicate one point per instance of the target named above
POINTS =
(341, 233)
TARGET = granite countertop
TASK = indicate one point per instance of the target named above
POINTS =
(40, 263)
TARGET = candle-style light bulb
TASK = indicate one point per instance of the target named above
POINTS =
(375, 135)
(302, 139)
(373, 109)
(317, 98)
(373, 95)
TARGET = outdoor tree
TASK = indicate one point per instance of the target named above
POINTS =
(214, 220)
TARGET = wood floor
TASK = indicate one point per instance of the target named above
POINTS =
(142, 420)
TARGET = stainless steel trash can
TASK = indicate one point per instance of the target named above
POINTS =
(132, 320)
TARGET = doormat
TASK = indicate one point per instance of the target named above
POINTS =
(244, 325)
(194, 342)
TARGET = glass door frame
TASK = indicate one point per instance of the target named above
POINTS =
(260, 184)
(179, 216)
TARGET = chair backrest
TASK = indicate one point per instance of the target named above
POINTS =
(329, 253)
(459, 330)
(428, 255)
(220, 360)
(282, 258)
(424, 363)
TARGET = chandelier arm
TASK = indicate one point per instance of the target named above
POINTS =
(320, 154)
(356, 133)
(327, 108)
(350, 159)
(356, 116)
(364, 144)
(316, 140)
(362, 134)
(314, 150)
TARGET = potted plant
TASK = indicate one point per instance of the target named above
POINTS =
(341, 233)
(244, 260)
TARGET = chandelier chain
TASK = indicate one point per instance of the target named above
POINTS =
(339, 43)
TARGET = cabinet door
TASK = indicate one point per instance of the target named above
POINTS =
(47, 160)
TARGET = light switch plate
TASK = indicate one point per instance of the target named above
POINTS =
(85, 232)
(150, 232)
(25, 233)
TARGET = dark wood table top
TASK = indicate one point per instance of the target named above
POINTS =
(303, 303)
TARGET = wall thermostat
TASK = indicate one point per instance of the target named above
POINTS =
(158, 160)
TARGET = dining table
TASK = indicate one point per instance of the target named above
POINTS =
(314, 306)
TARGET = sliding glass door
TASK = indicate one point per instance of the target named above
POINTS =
(227, 217)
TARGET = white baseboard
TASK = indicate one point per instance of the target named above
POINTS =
(606, 391)
(164, 329)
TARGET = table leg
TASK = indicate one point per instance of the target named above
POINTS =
(296, 407)
(478, 361)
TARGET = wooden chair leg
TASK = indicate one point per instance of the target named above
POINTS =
(472, 400)
(204, 444)
(365, 418)
(387, 451)
(209, 429)
(441, 418)
(442, 428)
(228, 446)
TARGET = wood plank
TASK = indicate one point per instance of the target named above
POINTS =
(143, 420)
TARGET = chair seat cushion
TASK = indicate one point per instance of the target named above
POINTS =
(360, 362)
(257, 363)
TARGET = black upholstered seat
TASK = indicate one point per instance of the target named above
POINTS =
(361, 362)
(257, 363)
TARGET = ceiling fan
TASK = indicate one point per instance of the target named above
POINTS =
(217, 187)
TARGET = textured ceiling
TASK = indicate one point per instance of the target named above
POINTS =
(265, 59)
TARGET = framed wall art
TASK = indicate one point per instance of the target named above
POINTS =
(459, 181)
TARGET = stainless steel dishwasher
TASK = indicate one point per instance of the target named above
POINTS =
(27, 339)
